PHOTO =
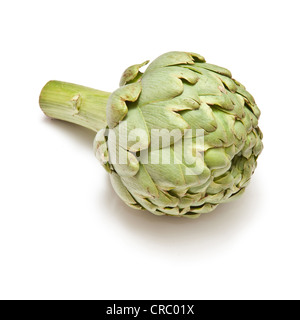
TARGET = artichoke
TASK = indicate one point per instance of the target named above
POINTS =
(178, 93)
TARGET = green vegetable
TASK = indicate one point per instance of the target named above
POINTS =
(181, 94)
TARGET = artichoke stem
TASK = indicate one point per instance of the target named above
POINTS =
(73, 103)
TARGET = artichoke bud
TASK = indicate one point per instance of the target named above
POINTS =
(182, 138)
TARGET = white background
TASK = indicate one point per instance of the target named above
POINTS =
(64, 234)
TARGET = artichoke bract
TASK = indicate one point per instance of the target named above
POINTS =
(203, 122)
